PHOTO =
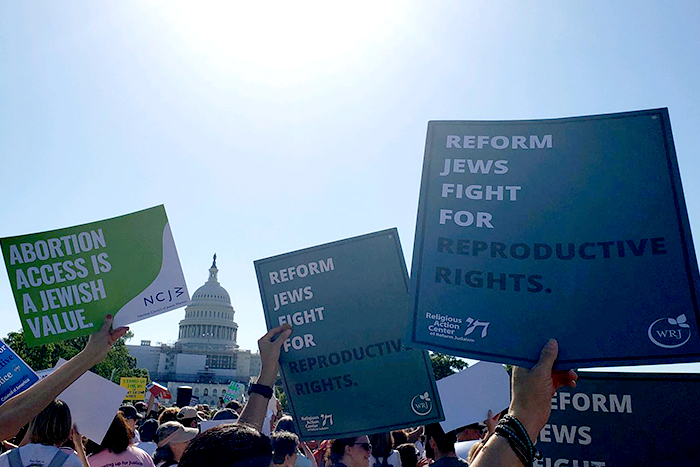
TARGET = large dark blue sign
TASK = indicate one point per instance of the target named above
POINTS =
(346, 370)
(623, 419)
(574, 229)
(15, 375)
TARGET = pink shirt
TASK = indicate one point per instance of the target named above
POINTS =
(133, 456)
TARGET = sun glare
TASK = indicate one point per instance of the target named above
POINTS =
(297, 39)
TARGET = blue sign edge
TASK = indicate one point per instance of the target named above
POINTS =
(682, 221)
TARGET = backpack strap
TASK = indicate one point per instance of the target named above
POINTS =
(14, 458)
(59, 459)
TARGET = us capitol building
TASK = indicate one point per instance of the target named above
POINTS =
(205, 356)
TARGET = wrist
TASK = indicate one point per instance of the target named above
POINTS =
(532, 422)
(267, 378)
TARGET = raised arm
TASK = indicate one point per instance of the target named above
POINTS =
(254, 412)
(23, 407)
(531, 405)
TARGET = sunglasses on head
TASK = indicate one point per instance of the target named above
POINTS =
(366, 446)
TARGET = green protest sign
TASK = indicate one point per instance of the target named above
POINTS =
(345, 368)
(66, 281)
(233, 392)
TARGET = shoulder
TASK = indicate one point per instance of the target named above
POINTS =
(141, 455)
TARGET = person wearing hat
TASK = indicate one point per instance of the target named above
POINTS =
(189, 417)
(131, 415)
(173, 439)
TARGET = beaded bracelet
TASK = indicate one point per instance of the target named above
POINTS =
(510, 428)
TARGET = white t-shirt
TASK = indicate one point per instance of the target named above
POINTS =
(394, 459)
(39, 455)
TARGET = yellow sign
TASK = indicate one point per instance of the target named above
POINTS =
(136, 388)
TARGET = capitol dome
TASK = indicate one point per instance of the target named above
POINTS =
(209, 316)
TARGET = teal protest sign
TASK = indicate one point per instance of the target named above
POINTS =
(66, 281)
(570, 228)
(15, 375)
(345, 368)
(613, 419)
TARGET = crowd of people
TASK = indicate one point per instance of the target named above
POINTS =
(37, 429)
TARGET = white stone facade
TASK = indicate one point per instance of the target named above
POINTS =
(206, 355)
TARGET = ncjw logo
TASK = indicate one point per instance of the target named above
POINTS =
(669, 333)
(421, 404)
(164, 296)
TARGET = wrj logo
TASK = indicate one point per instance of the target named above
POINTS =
(669, 333)
(422, 404)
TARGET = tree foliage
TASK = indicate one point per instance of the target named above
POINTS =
(117, 364)
(446, 365)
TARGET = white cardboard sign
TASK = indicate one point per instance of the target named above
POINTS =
(467, 396)
(93, 402)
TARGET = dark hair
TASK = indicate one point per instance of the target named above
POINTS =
(336, 450)
(52, 426)
(148, 430)
(445, 442)
(228, 446)
(408, 454)
(286, 423)
(118, 435)
(399, 437)
(235, 405)
(381, 444)
(168, 415)
(284, 444)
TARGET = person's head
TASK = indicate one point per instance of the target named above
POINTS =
(381, 444)
(148, 430)
(235, 405)
(189, 417)
(118, 435)
(226, 414)
(285, 423)
(284, 448)
(408, 454)
(168, 415)
(470, 432)
(400, 437)
(437, 443)
(52, 426)
(131, 415)
(229, 446)
(141, 407)
(353, 452)
(173, 439)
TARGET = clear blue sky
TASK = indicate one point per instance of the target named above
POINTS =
(265, 128)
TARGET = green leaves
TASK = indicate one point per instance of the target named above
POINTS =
(117, 364)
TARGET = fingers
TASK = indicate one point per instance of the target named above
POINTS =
(276, 336)
(548, 356)
(118, 333)
(106, 325)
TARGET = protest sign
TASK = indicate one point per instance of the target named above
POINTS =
(345, 368)
(66, 281)
(574, 229)
(234, 392)
(136, 388)
(158, 390)
(93, 402)
(468, 396)
(15, 375)
(613, 419)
